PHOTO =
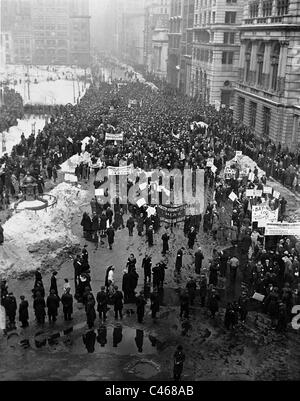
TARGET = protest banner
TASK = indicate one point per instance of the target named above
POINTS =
(171, 214)
(258, 297)
(251, 176)
(114, 137)
(122, 170)
(259, 212)
(143, 186)
(282, 229)
(270, 217)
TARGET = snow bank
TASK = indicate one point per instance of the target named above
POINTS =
(24, 232)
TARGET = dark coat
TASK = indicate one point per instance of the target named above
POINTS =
(67, 302)
(53, 284)
(23, 311)
(39, 306)
(118, 300)
(53, 304)
(102, 301)
(198, 260)
(1, 235)
(110, 235)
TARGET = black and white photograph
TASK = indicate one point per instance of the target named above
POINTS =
(150, 193)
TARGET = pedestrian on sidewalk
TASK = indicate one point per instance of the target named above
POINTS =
(118, 303)
(52, 305)
(102, 301)
(140, 307)
(67, 302)
(23, 312)
(179, 358)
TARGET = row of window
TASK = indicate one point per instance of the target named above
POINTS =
(253, 115)
(210, 18)
(282, 8)
(207, 56)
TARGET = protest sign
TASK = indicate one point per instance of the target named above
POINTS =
(267, 190)
(141, 202)
(232, 196)
(250, 193)
(258, 297)
(276, 194)
(114, 137)
(214, 169)
(251, 176)
(258, 193)
(99, 192)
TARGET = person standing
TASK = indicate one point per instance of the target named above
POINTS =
(1, 234)
(90, 311)
(10, 305)
(184, 305)
(154, 304)
(165, 239)
(149, 234)
(191, 287)
(110, 236)
(23, 312)
(233, 266)
(67, 302)
(192, 237)
(130, 225)
(179, 358)
(198, 260)
(140, 306)
(178, 263)
(126, 286)
(39, 306)
(52, 305)
(146, 265)
(118, 303)
(53, 283)
(77, 264)
(131, 262)
(213, 302)
(102, 301)
(203, 289)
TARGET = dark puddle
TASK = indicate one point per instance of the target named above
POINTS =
(115, 339)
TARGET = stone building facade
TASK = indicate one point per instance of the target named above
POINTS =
(216, 48)
(267, 96)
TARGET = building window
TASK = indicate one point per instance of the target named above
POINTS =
(230, 17)
(214, 17)
(282, 7)
(253, 109)
(267, 120)
(241, 108)
(260, 64)
(247, 61)
(267, 8)
(231, 1)
(227, 57)
(228, 38)
(253, 10)
(274, 66)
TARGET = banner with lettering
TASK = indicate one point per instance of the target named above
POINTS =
(171, 214)
(114, 137)
(122, 170)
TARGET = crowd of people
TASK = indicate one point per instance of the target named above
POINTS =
(159, 132)
(11, 108)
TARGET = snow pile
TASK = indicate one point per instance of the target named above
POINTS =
(27, 232)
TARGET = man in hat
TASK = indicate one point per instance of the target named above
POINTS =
(102, 301)
(179, 358)
(146, 265)
(149, 234)
(140, 306)
(126, 286)
(23, 312)
(110, 236)
(198, 260)
(192, 237)
(10, 305)
(52, 305)
(118, 303)
(67, 302)
(53, 283)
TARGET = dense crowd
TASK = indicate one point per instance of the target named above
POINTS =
(11, 109)
(159, 132)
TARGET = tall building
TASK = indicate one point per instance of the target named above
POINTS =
(216, 47)
(156, 37)
(180, 44)
(267, 95)
(47, 32)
